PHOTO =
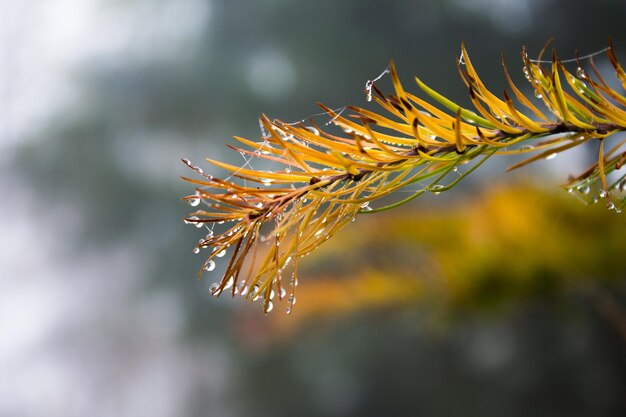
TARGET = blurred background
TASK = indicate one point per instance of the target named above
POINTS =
(503, 297)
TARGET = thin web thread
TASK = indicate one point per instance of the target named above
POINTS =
(588, 56)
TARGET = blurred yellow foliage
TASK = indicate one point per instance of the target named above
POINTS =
(510, 244)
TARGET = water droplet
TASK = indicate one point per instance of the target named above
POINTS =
(209, 235)
(210, 265)
(292, 299)
(313, 130)
(254, 290)
(229, 283)
(288, 310)
(287, 170)
(193, 202)
(287, 261)
(196, 250)
(527, 148)
(581, 73)
(610, 206)
(221, 253)
(436, 187)
(283, 292)
(551, 156)
(272, 294)
(268, 306)
(191, 220)
(186, 161)
(214, 289)
(266, 181)
(603, 193)
(319, 232)
(365, 205)
(538, 94)
(244, 290)
(584, 189)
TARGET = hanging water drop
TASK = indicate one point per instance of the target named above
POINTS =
(214, 289)
(191, 220)
(313, 130)
(193, 202)
(551, 156)
(221, 253)
(584, 189)
(210, 265)
(538, 94)
(603, 193)
(229, 283)
(196, 250)
(268, 306)
(244, 290)
(283, 292)
(436, 189)
(581, 73)
(254, 291)
(292, 299)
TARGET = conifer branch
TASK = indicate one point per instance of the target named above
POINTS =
(324, 180)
